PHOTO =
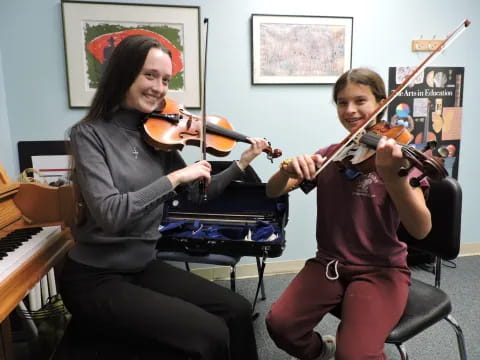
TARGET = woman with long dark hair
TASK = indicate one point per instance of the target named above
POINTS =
(112, 281)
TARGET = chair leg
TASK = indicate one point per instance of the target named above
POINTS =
(261, 270)
(403, 351)
(460, 338)
(232, 278)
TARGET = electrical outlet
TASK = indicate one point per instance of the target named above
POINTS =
(425, 45)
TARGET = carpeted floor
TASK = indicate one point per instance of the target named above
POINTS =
(460, 280)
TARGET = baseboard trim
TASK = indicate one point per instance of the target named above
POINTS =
(469, 249)
(250, 270)
(287, 267)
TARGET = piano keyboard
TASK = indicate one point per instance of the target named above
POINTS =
(18, 246)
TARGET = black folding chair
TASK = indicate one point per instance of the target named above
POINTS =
(428, 304)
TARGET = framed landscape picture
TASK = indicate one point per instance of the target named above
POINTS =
(300, 49)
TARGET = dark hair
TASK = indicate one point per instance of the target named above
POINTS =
(122, 69)
(362, 76)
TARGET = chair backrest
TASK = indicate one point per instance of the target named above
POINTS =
(445, 204)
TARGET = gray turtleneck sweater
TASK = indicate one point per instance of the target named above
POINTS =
(124, 186)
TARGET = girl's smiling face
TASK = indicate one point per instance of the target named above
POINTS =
(355, 103)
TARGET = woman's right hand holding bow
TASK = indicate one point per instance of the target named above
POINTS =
(197, 171)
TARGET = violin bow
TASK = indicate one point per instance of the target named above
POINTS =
(203, 135)
(357, 131)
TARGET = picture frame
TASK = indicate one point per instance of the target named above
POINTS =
(300, 49)
(92, 29)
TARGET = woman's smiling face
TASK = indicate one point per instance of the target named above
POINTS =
(151, 85)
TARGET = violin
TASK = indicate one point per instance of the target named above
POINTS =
(360, 156)
(173, 127)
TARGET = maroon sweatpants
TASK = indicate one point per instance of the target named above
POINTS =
(372, 300)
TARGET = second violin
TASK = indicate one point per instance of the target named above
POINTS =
(174, 127)
(365, 161)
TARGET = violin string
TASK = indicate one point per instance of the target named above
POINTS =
(218, 130)
(371, 139)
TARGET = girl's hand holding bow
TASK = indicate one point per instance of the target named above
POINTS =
(302, 167)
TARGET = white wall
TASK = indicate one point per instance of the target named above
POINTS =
(6, 155)
(295, 118)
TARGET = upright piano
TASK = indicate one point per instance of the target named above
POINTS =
(33, 238)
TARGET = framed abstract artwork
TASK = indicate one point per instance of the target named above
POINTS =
(92, 30)
(300, 49)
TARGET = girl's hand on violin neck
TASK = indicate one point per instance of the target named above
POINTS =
(198, 171)
(304, 166)
(256, 148)
(388, 160)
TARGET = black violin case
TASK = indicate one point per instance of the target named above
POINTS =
(242, 221)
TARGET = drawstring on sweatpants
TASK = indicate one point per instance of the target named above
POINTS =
(335, 270)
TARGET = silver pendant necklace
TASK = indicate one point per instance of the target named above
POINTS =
(135, 152)
(134, 148)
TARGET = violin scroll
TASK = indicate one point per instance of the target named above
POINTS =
(429, 165)
(273, 153)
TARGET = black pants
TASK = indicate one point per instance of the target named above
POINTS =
(161, 310)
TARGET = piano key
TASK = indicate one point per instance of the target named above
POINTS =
(22, 233)
(14, 259)
(14, 239)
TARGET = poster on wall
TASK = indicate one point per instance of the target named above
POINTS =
(430, 107)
